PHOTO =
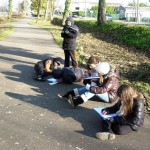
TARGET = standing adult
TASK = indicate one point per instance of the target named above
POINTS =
(69, 35)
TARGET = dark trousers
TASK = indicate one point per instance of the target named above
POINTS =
(70, 54)
(115, 128)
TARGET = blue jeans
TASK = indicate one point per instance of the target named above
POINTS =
(87, 94)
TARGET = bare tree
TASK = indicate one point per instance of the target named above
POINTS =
(38, 10)
(46, 10)
(10, 9)
(66, 11)
(52, 9)
(101, 19)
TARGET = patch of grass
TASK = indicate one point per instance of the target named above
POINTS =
(5, 25)
(5, 29)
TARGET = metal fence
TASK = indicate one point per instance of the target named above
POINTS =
(3, 14)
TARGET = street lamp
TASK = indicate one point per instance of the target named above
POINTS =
(138, 17)
(85, 7)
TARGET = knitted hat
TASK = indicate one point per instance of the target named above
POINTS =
(103, 68)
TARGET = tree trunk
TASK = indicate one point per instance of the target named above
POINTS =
(38, 10)
(66, 11)
(52, 10)
(46, 10)
(10, 10)
(101, 19)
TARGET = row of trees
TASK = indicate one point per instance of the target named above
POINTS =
(23, 6)
(44, 6)
(48, 6)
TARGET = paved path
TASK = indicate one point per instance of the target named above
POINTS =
(32, 117)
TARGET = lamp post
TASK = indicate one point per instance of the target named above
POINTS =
(85, 7)
(138, 17)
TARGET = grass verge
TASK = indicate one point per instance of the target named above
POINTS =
(5, 28)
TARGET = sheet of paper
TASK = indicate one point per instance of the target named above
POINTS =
(91, 78)
(52, 81)
(99, 111)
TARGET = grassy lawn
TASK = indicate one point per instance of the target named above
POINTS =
(5, 25)
(5, 28)
(134, 66)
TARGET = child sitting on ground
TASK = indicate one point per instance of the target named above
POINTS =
(44, 68)
(68, 75)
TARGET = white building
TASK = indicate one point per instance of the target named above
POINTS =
(76, 5)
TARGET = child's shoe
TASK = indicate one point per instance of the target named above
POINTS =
(105, 136)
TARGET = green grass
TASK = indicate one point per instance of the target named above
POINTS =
(5, 29)
(5, 25)
(130, 35)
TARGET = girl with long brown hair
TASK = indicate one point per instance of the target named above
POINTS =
(130, 114)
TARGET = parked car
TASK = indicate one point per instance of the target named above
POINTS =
(108, 17)
(146, 19)
(74, 15)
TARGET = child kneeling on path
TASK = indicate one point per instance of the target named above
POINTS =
(44, 68)
(105, 89)
(130, 114)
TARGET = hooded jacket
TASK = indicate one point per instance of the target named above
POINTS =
(68, 75)
(109, 85)
(69, 34)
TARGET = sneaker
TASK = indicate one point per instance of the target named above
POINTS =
(75, 100)
(105, 136)
(66, 95)
(71, 101)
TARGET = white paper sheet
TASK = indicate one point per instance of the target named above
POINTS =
(99, 111)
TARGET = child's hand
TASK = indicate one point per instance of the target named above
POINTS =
(60, 80)
(86, 74)
(93, 83)
(104, 112)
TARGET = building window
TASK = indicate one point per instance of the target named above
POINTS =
(77, 8)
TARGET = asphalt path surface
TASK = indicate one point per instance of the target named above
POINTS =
(33, 117)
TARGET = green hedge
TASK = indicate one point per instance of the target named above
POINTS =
(131, 35)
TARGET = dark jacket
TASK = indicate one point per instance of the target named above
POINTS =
(135, 119)
(69, 35)
(68, 75)
(39, 67)
(110, 85)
